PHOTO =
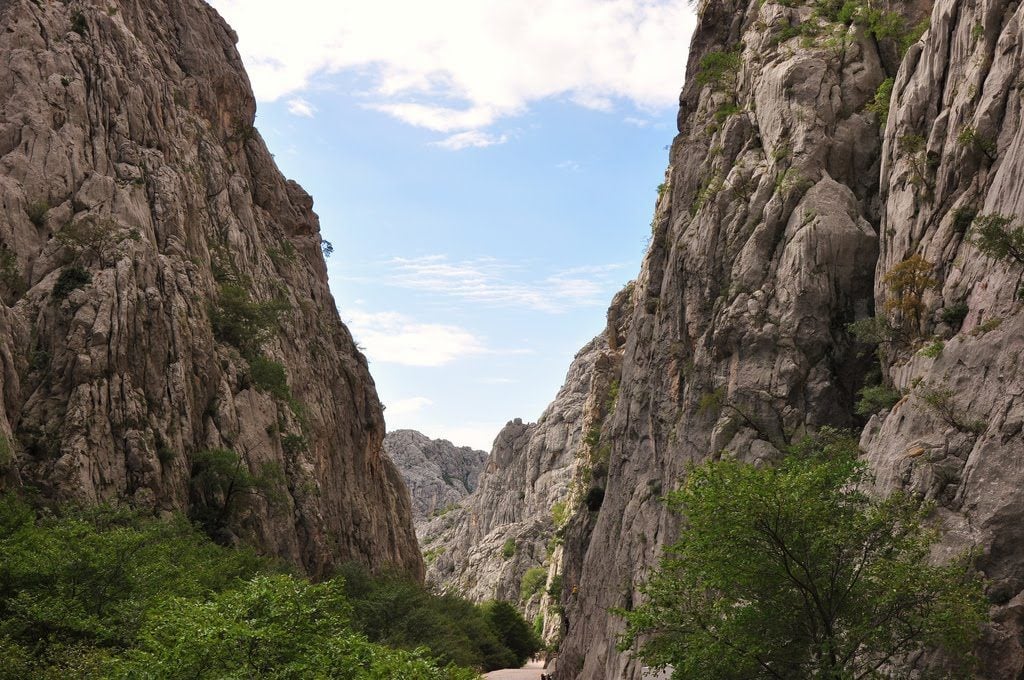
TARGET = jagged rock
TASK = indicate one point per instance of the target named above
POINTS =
(132, 187)
(959, 91)
(510, 523)
(437, 473)
(763, 251)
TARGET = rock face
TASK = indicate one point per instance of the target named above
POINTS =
(959, 95)
(139, 209)
(437, 473)
(514, 521)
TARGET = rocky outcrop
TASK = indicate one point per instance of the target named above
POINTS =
(763, 251)
(954, 153)
(514, 522)
(437, 473)
(164, 292)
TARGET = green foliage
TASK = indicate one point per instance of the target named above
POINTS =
(6, 452)
(512, 630)
(223, 486)
(988, 326)
(71, 278)
(796, 572)
(91, 239)
(10, 273)
(109, 593)
(933, 349)
(873, 330)
(970, 139)
(996, 236)
(240, 321)
(293, 443)
(875, 398)
(725, 111)
(559, 514)
(394, 610)
(880, 104)
(711, 402)
(719, 69)
(326, 247)
(270, 376)
(955, 314)
(906, 285)
(509, 548)
(79, 24)
(879, 23)
(282, 256)
(36, 211)
(963, 218)
(940, 400)
(532, 582)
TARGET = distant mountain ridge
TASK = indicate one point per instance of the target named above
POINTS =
(438, 473)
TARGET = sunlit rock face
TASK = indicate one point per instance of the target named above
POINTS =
(134, 188)
(437, 473)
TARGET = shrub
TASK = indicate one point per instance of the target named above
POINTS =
(10, 274)
(941, 402)
(270, 376)
(223, 485)
(244, 323)
(512, 630)
(91, 238)
(876, 398)
(326, 247)
(906, 285)
(71, 278)
(509, 548)
(996, 237)
(559, 514)
(933, 349)
(719, 69)
(955, 314)
(797, 569)
(36, 211)
(880, 104)
(532, 582)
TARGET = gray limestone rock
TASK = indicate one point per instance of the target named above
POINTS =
(437, 473)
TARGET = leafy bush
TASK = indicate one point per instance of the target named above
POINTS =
(906, 285)
(876, 398)
(996, 237)
(509, 548)
(240, 321)
(532, 582)
(10, 273)
(796, 572)
(270, 376)
(104, 593)
(880, 104)
(71, 278)
(394, 610)
(512, 630)
(933, 349)
(559, 514)
(955, 314)
(36, 211)
(719, 69)
(223, 485)
(91, 239)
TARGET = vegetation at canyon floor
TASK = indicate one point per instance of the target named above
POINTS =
(794, 571)
(111, 593)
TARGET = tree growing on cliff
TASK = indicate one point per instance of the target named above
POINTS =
(907, 284)
(795, 572)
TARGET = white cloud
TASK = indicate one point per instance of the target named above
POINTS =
(394, 338)
(571, 166)
(493, 282)
(470, 138)
(402, 407)
(300, 107)
(457, 65)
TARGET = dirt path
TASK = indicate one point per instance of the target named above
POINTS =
(531, 671)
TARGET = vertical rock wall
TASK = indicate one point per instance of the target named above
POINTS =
(133, 188)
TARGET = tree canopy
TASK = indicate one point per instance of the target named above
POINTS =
(795, 572)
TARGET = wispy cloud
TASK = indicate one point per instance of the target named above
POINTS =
(403, 407)
(300, 107)
(493, 282)
(471, 139)
(571, 166)
(394, 338)
(458, 65)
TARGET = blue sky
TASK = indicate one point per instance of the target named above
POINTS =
(486, 172)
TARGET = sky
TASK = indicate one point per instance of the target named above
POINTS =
(486, 171)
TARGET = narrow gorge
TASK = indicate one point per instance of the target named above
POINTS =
(837, 243)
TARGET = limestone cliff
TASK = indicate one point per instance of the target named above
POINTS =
(437, 473)
(164, 292)
(763, 251)
(513, 523)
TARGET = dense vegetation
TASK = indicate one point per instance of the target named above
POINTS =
(794, 572)
(110, 593)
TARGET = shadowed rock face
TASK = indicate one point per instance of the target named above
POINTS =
(437, 473)
(129, 159)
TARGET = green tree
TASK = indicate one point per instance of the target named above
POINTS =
(223, 485)
(998, 238)
(795, 572)
(243, 322)
(907, 284)
(513, 630)
(270, 627)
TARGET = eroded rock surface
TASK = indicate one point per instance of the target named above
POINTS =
(134, 190)
(437, 473)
